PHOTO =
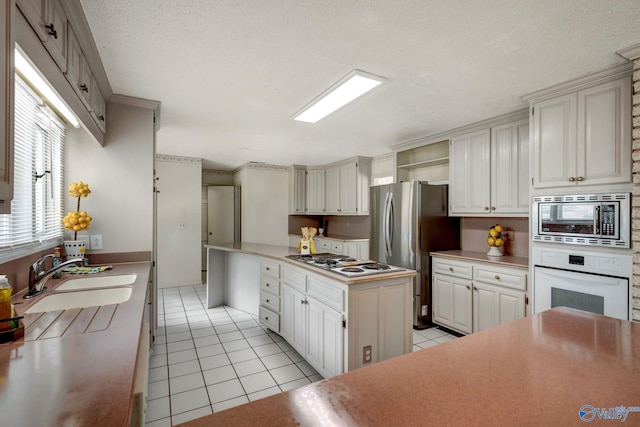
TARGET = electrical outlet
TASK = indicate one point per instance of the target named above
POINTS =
(366, 354)
(96, 242)
(425, 310)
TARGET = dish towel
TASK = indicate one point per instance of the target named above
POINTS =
(74, 269)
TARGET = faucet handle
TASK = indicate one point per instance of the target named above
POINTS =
(38, 265)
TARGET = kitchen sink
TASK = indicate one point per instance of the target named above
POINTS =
(97, 282)
(81, 299)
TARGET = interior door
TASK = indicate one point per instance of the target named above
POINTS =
(220, 215)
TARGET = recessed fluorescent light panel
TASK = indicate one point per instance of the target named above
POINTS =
(29, 72)
(351, 86)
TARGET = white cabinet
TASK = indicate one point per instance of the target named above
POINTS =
(583, 137)
(98, 106)
(347, 187)
(269, 310)
(358, 250)
(297, 189)
(473, 296)
(293, 314)
(316, 191)
(7, 73)
(49, 20)
(489, 171)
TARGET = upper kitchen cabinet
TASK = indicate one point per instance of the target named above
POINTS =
(78, 71)
(297, 189)
(6, 106)
(347, 187)
(582, 137)
(98, 106)
(489, 171)
(316, 191)
(49, 20)
(428, 163)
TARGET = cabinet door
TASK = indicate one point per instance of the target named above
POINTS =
(98, 106)
(332, 190)
(7, 73)
(493, 306)
(297, 191)
(76, 69)
(351, 249)
(554, 142)
(510, 168)
(469, 174)
(315, 191)
(604, 141)
(325, 339)
(452, 303)
(56, 26)
(34, 11)
(349, 189)
(293, 318)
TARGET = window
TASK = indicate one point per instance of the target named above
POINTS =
(37, 205)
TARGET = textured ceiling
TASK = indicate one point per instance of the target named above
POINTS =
(230, 73)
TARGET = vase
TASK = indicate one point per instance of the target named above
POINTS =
(74, 249)
(495, 251)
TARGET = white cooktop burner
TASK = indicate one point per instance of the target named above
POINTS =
(344, 265)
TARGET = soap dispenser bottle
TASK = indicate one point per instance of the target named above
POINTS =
(5, 303)
(57, 260)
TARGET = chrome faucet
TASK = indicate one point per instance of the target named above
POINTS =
(38, 276)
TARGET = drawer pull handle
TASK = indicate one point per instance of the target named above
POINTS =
(267, 301)
(571, 179)
(475, 289)
(268, 268)
(52, 31)
(451, 269)
(267, 285)
(497, 277)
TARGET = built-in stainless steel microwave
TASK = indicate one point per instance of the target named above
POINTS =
(583, 219)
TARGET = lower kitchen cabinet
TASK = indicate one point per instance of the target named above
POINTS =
(332, 324)
(473, 296)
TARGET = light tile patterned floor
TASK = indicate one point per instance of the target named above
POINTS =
(207, 360)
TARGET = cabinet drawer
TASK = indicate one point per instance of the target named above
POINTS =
(322, 245)
(508, 278)
(295, 278)
(452, 268)
(337, 247)
(270, 319)
(270, 301)
(269, 268)
(326, 293)
(269, 285)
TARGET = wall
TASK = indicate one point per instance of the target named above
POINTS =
(179, 221)
(357, 227)
(474, 233)
(120, 176)
(265, 203)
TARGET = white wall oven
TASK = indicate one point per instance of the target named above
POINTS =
(583, 219)
(590, 281)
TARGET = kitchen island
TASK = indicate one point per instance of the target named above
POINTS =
(541, 370)
(79, 366)
(336, 323)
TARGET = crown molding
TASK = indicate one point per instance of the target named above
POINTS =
(261, 166)
(580, 83)
(382, 158)
(140, 103)
(631, 53)
(177, 159)
(216, 172)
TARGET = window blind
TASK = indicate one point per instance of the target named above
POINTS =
(36, 208)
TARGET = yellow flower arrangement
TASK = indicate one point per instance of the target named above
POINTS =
(77, 220)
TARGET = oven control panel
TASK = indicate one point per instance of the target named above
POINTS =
(619, 265)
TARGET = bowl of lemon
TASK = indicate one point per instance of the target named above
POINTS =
(495, 241)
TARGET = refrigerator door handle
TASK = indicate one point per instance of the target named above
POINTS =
(389, 219)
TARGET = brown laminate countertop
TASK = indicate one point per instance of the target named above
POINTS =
(337, 237)
(279, 253)
(74, 367)
(535, 371)
(505, 260)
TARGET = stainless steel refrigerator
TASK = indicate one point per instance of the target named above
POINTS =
(409, 220)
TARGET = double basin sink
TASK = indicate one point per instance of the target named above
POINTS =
(86, 292)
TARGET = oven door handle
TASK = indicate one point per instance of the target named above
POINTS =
(574, 276)
(596, 220)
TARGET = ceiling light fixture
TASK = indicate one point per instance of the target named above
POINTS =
(350, 87)
(29, 72)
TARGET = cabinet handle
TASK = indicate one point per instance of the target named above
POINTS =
(268, 268)
(451, 269)
(267, 285)
(493, 208)
(266, 318)
(486, 208)
(580, 178)
(497, 277)
(571, 179)
(475, 289)
(84, 88)
(468, 287)
(52, 30)
(267, 301)
(101, 118)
